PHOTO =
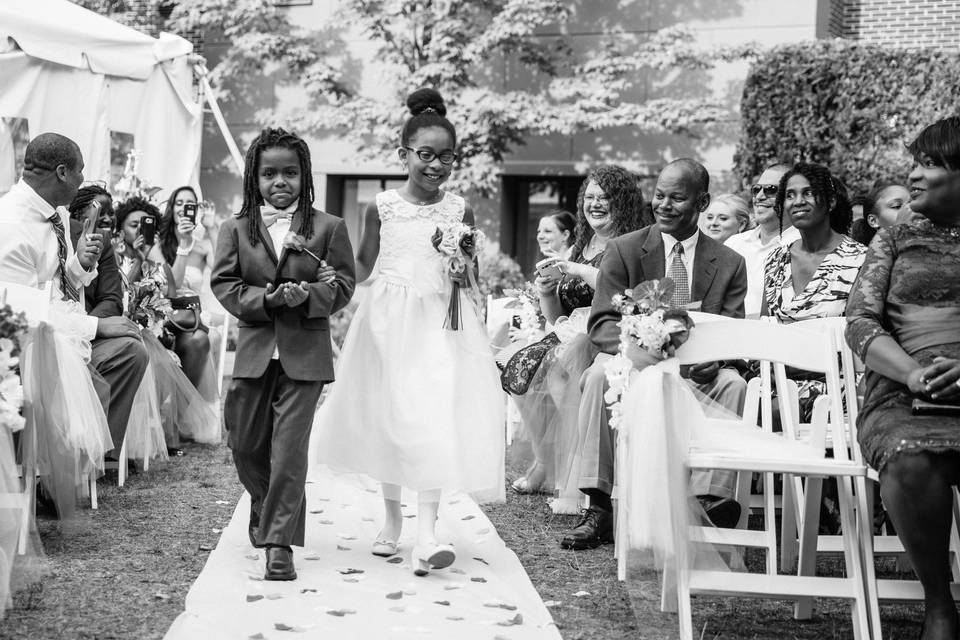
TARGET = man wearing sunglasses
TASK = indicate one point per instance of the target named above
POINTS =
(757, 243)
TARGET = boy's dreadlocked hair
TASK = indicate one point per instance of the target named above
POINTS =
(85, 196)
(276, 138)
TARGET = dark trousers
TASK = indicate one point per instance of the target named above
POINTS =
(117, 366)
(269, 420)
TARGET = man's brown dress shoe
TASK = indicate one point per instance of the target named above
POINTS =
(723, 513)
(280, 564)
(593, 530)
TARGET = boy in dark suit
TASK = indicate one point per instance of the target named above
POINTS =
(266, 273)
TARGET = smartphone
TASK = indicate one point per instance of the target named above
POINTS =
(148, 229)
(190, 212)
(550, 271)
(515, 322)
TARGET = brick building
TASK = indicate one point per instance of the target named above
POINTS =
(910, 23)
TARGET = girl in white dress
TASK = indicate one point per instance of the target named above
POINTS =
(415, 404)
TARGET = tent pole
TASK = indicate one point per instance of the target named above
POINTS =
(218, 116)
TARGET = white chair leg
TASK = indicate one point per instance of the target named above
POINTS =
(854, 560)
(809, 531)
(789, 529)
(122, 465)
(93, 490)
(864, 520)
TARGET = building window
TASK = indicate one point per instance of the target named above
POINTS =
(14, 136)
(348, 196)
(525, 200)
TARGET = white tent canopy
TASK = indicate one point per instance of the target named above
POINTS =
(69, 70)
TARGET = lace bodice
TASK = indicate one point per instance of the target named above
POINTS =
(407, 255)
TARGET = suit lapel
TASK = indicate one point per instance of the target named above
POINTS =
(267, 242)
(704, 267)
(651, 255)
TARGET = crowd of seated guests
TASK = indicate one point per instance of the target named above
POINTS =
(798, 255)
(53, 230)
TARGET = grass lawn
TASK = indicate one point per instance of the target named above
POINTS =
(123, 571)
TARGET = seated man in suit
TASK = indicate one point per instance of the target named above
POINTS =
(706, 274)
(34, 249)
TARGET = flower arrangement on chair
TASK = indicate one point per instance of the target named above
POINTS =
(13, 326)
(649, 327)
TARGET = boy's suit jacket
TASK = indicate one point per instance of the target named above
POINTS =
(719, 279)
(103, 296)
(301, 334)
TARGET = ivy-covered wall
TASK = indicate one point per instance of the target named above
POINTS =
(850, 106)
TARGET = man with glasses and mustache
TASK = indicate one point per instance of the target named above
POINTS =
(756, 244)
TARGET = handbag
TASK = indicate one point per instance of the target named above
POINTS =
(921, 407)
(186, 314)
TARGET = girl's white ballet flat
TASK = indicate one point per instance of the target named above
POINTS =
(384, 548)
(437, 556)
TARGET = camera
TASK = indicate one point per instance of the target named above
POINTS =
(148, 229)
(551, 271)
(190, 212)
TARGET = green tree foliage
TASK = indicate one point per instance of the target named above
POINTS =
(849, 106)
(451, 44)
(465, 49)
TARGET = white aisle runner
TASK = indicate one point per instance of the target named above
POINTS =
(344, 592)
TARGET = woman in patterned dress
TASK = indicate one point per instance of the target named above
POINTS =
(904, 322)
(543, 377)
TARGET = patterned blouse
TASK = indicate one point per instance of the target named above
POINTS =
(826, 293)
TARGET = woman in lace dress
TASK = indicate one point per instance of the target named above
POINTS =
(415, 404)
(904, 322)
(544, 376)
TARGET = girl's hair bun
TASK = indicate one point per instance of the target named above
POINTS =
(426, 100)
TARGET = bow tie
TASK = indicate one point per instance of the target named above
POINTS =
(270, 214)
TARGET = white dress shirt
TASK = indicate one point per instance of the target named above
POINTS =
(29, 248)
(754, 251)
(689, 250)
(278, 232)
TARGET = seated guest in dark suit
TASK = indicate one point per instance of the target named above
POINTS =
(707, 274)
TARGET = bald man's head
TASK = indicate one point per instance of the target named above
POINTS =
(694, 171)
(48, 150)
(53, 167)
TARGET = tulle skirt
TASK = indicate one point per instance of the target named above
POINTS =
(550, 410)
(184, 410)
(414, 404)
(74, 435)
(145, 438)
(21, 554)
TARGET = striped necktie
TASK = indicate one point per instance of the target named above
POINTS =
(678, 273)
(70, 292)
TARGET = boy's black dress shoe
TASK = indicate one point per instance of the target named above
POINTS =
(253, 528)
(280, 564)
(593, 530)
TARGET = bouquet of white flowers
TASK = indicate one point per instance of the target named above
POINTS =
(528, 320)
(648, 325)
(459, 245)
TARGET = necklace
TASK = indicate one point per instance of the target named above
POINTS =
(423, 203)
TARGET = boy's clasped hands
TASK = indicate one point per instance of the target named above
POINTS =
(294, 294)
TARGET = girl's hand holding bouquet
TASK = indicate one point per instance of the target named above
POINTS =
(459, 245)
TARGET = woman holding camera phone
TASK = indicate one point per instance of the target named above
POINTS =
(187, 258)
(184, 411)
(544, 376)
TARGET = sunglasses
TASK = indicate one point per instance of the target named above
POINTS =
(428, 155)
(769, 190)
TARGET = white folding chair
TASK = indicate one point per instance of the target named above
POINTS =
(884, 544)
(499, 316)
(764, 341)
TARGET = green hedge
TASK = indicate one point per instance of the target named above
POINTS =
(849, 106)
